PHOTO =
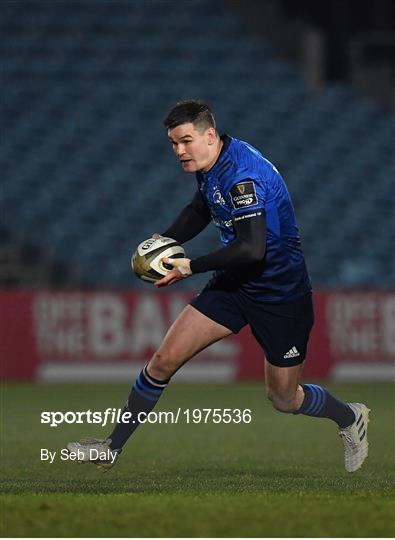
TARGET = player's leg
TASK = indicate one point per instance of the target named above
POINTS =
(283, 331)
(190, 333)
(211, 316)
(288, 395)
(283, 388)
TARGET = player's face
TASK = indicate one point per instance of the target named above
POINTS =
(194, 148)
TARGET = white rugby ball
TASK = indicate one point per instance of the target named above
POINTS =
(146, 260)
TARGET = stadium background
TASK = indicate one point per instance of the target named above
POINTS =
(87, 173)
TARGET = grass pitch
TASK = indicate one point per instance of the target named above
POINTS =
(280, 475)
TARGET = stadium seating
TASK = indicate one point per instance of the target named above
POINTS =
(86, 165)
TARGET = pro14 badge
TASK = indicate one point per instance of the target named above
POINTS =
(243, 195)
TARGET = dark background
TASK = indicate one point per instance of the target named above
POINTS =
(87, 171)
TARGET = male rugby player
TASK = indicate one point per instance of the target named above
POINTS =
(260, 279)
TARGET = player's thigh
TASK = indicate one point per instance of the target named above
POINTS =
(190, 333)
(282, 330)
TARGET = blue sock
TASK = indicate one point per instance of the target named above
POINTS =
(320, 403)
(143, 397)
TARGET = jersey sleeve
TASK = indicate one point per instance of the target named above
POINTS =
(191, 221)
(246, 197)
(248, 248)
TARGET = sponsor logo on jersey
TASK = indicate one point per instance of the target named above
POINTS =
(247, 216)
(243, 195)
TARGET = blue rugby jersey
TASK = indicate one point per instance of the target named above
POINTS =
(240, 184)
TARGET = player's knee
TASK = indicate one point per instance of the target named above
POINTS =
(162, 365)
(282, 400)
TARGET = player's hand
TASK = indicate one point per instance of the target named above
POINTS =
(181, 270)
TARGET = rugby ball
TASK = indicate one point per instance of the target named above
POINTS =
(146, 260)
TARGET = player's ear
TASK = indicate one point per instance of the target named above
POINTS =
(211, 135)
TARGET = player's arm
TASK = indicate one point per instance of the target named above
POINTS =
(191, 221)
(247, 248)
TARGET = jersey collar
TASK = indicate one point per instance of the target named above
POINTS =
(226, 139)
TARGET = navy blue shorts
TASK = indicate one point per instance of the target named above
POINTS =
(282, 330)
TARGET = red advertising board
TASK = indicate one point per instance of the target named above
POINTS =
(357, 332)
(68, 336)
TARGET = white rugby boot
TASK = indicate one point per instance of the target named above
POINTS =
(96, 451)
(355, 438)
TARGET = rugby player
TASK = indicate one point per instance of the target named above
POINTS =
(260, 279)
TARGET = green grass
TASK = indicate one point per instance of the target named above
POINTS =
(280, 475)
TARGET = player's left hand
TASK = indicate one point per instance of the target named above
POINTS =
(181, 270)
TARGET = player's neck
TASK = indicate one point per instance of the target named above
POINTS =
(217, 151)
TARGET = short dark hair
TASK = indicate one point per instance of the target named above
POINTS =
(191, 111)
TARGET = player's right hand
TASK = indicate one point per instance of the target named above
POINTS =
(171, 277)
(180, 271)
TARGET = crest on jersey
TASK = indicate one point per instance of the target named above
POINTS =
(218, 199)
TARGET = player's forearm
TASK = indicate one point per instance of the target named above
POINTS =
(248, 248)
(188, 224)
(237, 254)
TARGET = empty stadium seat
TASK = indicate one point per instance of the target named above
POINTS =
(87, 166)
